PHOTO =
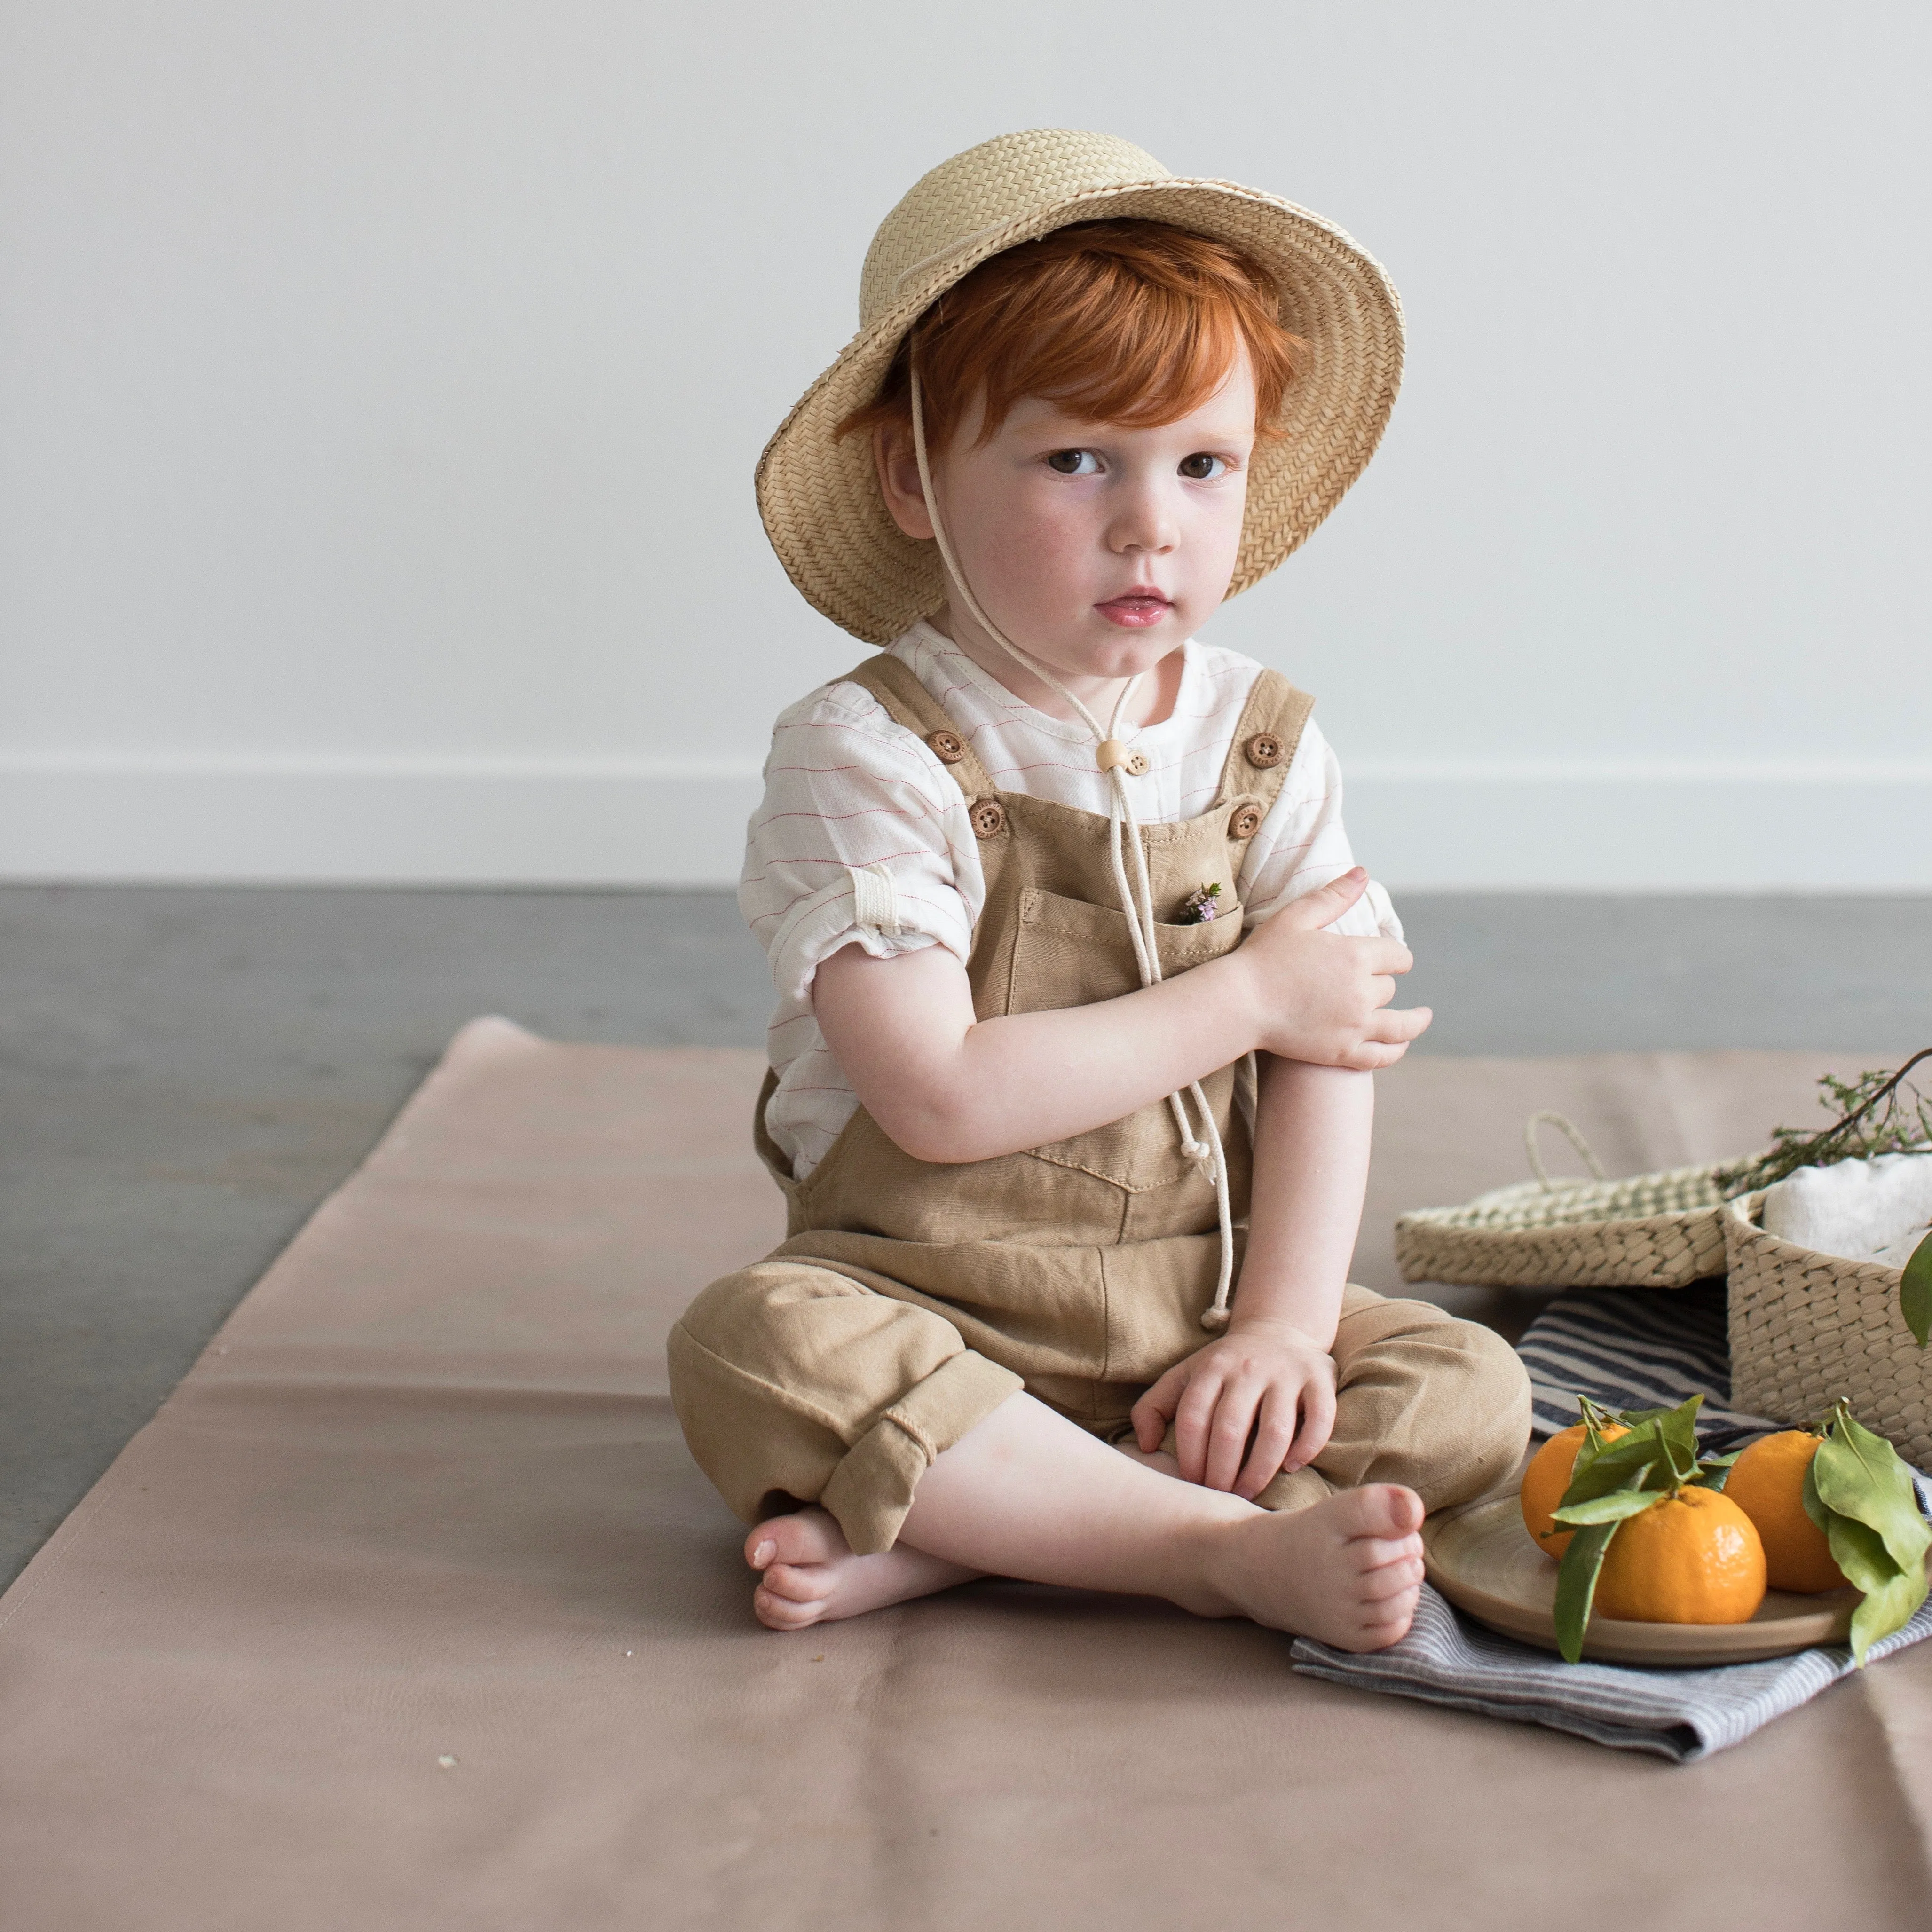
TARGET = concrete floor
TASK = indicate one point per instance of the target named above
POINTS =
(185, 1071)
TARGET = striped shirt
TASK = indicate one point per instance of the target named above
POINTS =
(862, 830)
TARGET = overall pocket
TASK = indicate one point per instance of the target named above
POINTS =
(1071, 952)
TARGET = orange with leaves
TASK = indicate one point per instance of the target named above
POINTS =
(1548, 1476)
(1767, 1483)
(1693, 1557)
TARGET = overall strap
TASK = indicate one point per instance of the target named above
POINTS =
(895, 685)
(908, 703)
(1270, 727)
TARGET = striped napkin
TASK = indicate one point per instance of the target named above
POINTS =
(1680, 1715)
(1626, 1349)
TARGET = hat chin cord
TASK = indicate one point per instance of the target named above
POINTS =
(1123, 834)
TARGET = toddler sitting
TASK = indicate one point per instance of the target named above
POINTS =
(1081, 994)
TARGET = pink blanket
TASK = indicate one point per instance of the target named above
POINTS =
(409, 1611)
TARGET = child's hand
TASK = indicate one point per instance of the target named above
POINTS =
(1264, 1378)
(1322, 997)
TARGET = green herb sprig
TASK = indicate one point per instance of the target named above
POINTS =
(1877, 1113)
(1874, 1117)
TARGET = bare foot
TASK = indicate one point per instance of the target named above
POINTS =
(811, 1575)
(1346, 1571)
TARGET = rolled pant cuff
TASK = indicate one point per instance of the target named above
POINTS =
(871, 1490)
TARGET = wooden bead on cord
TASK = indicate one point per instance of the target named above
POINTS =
(1111, 752)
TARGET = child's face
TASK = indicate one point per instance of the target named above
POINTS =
(1097, 548)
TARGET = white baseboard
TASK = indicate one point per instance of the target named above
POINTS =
(427, 823)
(1606, 827)
(1596, 827)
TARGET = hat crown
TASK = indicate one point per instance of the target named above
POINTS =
(1000, 182)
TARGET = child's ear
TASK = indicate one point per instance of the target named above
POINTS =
(897, 465)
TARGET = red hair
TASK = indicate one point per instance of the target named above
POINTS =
(1134, 322)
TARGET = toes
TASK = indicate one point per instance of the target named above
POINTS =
(808, 1583)
(807, 1536)
(1383, 1510)
(1380, 1635)
(1392, 1580)
(1384, 1624)
(1376, 1552)
(783, 1613)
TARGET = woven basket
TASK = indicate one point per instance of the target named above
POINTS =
(1807, 1328)
(1652, 1230)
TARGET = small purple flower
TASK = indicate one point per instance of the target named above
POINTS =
(1200, 906)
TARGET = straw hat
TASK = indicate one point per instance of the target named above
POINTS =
(820, 497)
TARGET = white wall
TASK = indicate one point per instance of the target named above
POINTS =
(381, 381)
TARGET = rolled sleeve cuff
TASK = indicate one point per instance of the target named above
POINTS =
(829, 919)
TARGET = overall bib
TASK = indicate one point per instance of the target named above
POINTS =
(910, 1298)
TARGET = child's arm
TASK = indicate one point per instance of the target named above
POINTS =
(1269, 1375)
(947, 1087)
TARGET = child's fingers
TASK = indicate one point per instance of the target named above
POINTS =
(1273, 1432)
(1156, 1409)
(1192, 1421)
(1227, 1434)
(1326, 904)
(1398, 1025)
(1371, 1057)
(1317, 1423)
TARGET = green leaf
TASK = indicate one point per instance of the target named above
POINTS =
(1859, 1475)
(1611, 1508)
(1814, 1506)
(1892, 1593)
(1885, 1610)
(1576, 1586)
(1915, 1292)
(1859, 1551)
(1631, 1462)
(1636, 1418)
(1677, 1426)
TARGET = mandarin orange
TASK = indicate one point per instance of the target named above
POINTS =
(1546, 1479)
(1694, 1558)
(1767, 1483)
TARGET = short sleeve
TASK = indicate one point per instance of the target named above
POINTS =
(1302, 844)
(861, 838)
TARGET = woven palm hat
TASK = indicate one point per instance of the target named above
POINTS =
(820, 497)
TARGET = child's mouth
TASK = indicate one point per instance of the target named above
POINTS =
(1136, 610)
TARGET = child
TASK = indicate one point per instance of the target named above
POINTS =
(1077, 1018)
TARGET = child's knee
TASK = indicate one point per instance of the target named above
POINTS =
(1426, 1400)
(791, 1378)
(1479, 1411)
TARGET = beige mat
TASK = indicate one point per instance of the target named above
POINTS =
(408, 1612)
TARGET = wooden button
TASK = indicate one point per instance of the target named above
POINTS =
(1136, 765)
(947, 746)
(1264, 750)
(989, 818)
(1246, 822)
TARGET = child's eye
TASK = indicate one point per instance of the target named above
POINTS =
(1201, 467)
(1074, 462)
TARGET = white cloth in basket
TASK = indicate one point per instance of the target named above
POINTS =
(1862, 1210)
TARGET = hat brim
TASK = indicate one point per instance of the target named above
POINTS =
(819, 495)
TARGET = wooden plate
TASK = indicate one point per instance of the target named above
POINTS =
(1481, 1558)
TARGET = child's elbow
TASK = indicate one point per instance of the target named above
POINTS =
(942, 1134)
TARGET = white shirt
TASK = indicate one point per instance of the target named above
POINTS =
(849, 790)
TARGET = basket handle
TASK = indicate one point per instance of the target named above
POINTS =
(1569, 1130)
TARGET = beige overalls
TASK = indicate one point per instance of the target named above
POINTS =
(910, 1298)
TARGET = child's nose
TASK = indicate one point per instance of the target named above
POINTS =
(1144, 521)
